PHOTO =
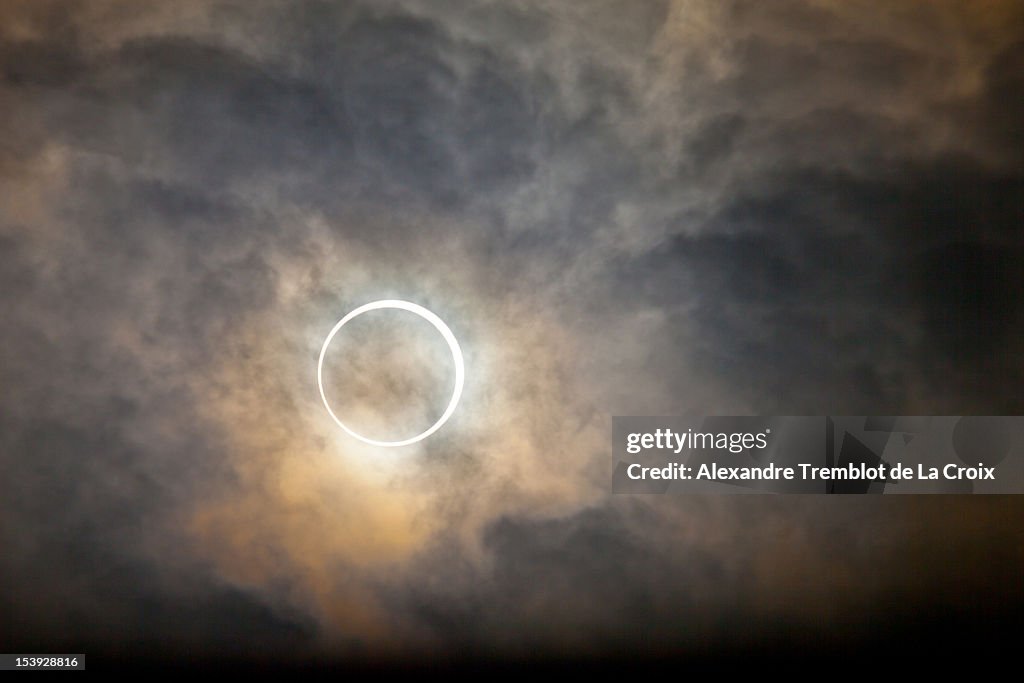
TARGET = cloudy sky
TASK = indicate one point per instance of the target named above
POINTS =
(618, 206)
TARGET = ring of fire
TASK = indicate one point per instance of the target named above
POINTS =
(453, 345)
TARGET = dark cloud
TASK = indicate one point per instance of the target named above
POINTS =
(621, 208)
(627, 578)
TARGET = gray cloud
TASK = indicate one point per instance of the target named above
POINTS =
(626, 208)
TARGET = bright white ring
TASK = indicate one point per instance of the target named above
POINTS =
(453, 344)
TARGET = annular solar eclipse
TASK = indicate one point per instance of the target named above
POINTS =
(433, 319)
